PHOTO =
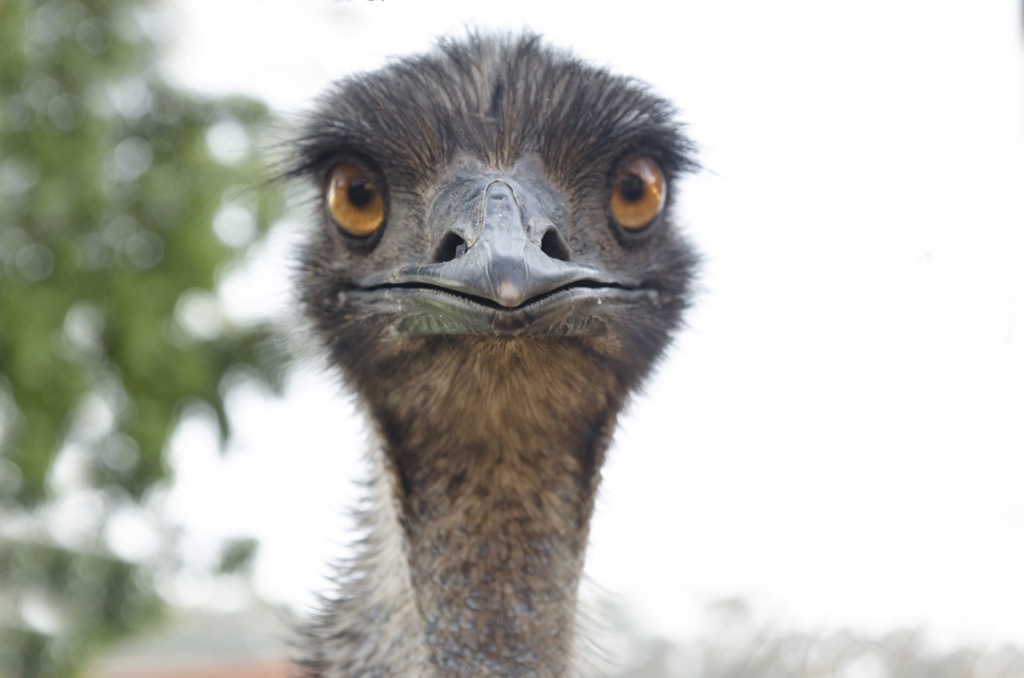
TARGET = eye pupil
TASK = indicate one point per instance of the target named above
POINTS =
(360, 192)
(632, 187)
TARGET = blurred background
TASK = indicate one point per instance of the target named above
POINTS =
(825, 478)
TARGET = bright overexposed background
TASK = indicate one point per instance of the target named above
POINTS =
(838, 435)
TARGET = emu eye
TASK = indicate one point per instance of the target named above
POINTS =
(638, 194)
(355, 199)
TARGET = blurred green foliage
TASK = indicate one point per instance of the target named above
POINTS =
(121, 202)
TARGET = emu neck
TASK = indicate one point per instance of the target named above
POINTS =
(494, 476)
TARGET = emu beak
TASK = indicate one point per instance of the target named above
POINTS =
(500, 262)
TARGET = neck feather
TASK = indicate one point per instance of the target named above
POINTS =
(495, 549)
(487, 487)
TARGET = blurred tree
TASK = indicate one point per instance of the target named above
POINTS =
(121, 202)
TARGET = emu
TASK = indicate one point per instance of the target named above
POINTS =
(493, 269)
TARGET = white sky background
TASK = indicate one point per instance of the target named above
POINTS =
(839, 434)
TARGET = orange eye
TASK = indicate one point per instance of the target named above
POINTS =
(638, 194)
(355, 199)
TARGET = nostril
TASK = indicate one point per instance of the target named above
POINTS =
(554, 245)
(450, 248)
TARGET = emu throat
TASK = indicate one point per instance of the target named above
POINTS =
(495, 493)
